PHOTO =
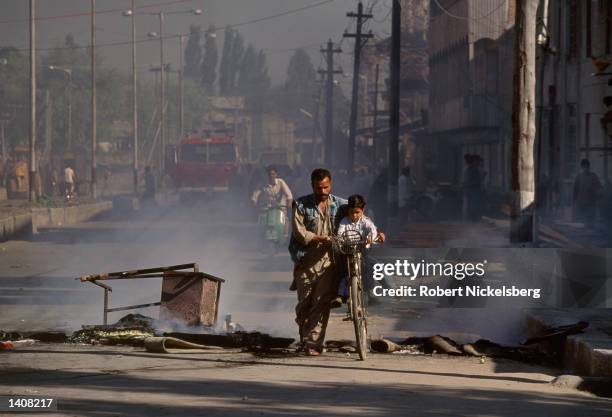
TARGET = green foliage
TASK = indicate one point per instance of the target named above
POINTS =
(253, 79)
(193, 53)
(301, 85)
(235, 62)
(224, 69)
(14, 93)
(210, 61)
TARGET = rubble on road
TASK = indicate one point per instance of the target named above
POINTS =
(6, 345)
(480, 348)
(557, 333)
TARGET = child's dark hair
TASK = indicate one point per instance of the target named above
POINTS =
(356, 201)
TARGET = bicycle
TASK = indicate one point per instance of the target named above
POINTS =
(351, 244)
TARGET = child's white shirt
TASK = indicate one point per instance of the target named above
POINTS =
(364, 225)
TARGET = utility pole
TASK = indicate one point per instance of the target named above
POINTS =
(360, 41)
(162, 130)
(134, 104)
(329, 99)
(2, 142)
(375, 119)
(32, 178)
(523, 123)
(315, 121)
(394, 111)
(181, 88)
(94, 139)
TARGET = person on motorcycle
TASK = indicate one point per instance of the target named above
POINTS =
(274, 193)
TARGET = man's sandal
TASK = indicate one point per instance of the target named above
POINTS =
(311, 352)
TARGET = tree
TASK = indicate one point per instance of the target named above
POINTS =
(246, 73)
(224, 72)
(193, 53)
(210, 61)
(523, 122)
(237, 53)
(300, 84)
(262, 80)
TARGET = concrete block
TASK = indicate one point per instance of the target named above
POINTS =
(3, 194)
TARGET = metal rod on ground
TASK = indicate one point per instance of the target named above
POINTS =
(32, 186)
(106, 306)
(94, 141)
(394, 111)
(193, 266)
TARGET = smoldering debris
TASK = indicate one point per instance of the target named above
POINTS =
(445, 345)
(45, 337)
(553, 334)
(134, 329)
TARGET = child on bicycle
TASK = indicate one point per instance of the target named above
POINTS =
(355, 221)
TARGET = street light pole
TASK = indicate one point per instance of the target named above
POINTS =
(94, 141)
(134, 104)
(181, 88)
(70, 110)
(32, 186)
(67, 71)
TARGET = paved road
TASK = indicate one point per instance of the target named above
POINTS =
(38, 291)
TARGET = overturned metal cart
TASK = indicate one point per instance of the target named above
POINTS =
(187, 294)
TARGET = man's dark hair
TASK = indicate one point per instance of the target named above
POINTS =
(356, 201)
(319, 174)
(271, 168)
(585, 163)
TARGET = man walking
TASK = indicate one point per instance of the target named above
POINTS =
(315, 275)
(69, 181)
(587, 188)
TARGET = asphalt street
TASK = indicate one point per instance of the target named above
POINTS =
(38, 291)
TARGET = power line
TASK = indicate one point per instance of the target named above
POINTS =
(120, 43)
(80, 14)
(288, 12)
(454, 16)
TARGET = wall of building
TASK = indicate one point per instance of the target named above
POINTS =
(572, 97)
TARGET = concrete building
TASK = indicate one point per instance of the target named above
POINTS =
(470, 101)
(574, 70)
(414, 85)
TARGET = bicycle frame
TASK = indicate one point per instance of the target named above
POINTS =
(351, 247)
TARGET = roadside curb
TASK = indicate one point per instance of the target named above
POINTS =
(29, 223)
(15, 226)
(588, 353)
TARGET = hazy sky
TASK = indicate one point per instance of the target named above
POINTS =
(308, 28)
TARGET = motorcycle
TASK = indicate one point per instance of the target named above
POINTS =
(273, 227)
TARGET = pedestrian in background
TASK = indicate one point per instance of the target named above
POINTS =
(587, 188)
(69, 178)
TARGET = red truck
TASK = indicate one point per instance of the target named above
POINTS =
(203, 164)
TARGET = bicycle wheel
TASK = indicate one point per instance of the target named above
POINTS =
(358, 312)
